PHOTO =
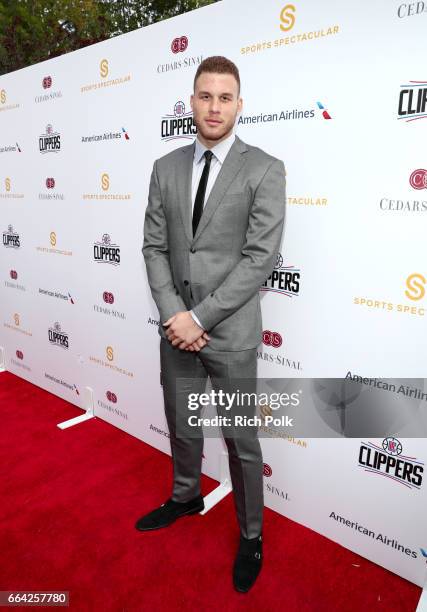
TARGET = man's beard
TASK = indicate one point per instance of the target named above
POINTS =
(209, 136)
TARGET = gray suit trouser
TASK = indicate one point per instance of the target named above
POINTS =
(244, 451)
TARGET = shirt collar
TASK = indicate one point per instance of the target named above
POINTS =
(220, 150)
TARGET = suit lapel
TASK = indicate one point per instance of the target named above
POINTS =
(184, 176)
(231, 166)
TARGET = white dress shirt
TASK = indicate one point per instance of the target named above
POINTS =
(220, 152)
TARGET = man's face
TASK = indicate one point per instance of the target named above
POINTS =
(215, 105)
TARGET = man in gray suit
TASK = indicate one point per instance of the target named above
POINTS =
(212, 231)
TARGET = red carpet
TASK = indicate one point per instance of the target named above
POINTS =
(69, 503)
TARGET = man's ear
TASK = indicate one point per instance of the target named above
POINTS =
(191, 101)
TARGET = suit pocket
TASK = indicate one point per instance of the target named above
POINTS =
(237, 201)
(235, 197)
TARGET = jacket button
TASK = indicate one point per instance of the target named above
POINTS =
(192, 250)
(212, 294)
(185, 282)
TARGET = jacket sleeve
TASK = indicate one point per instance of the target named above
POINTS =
(156, 254)
(259, 252)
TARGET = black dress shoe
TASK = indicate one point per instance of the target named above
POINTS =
(168, 513)
(248, 563)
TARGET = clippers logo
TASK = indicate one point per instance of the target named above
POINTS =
(103, 68)
(13, 274)
(20, 354)
(11, 238)
(106, 252)
(57, 337)
(284, 279)
(3, 96)
(50, 183)
(105, 182)
(47, 82)
(270, 338)
(52, 239)
(178, 125)
(108, 297)
(392, 446)
(7, 184)
(412, 101)
(388, 461)
(112, 397)
(50, 142)
(179, 44)
(325, 113)
(109, 353)
(287, 17)
(418, 179)
(267, 471)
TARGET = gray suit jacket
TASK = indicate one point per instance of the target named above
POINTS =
(218, 272)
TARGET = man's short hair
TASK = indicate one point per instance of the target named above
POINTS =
(220, 65)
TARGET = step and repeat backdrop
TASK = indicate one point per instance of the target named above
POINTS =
(339, 92)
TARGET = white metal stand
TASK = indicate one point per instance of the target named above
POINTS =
(422, 604)
(88, 406)
(224, 487)
(2, 360)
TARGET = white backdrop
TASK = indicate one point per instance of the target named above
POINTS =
(354, 239)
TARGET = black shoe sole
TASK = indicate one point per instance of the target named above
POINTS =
(188, 513)
(241, 590)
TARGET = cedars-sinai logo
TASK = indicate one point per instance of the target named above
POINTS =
(418, 179)
(266, 470)
(111, 397)
(179, 44)
(108, 297)
(270, 338)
